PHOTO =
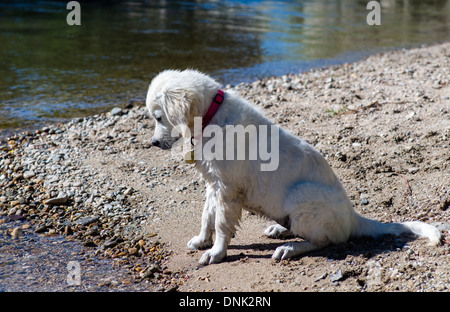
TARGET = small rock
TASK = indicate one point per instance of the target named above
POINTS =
(146, 274)
(93, 231)
(86, 220)
(41, 229)
(116, 111)
(111, 242)
(68, 230)
(16, 232)
(57, 200)
(14, 203)
(410, 115)
(337, 276)
(154, 268)
(28, 174)
(128, 191)
(364, 201)
(413, 170)
(324, 275)
(133, 251)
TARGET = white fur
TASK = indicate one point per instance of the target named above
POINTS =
(303, 188)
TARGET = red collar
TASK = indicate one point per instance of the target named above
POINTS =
(217, 101)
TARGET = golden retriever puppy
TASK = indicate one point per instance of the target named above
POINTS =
(250, 163)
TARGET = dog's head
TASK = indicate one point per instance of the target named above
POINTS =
(174, 98)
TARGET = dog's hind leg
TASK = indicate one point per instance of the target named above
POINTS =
(322, 215)
(278, 231)
(294, 249)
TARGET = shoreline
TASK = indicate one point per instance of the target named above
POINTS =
(380, 122)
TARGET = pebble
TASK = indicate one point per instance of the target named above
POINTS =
(68, 230)
(56, 201)
(146, 274)
(116, 111)
(16, 232)
(86, 220)
(41, 229)
(324, 275)
(92, 231)
(133, 251)
(28, 174)
(111, 242)
(337, 276)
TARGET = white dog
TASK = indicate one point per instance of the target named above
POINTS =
(302, 195)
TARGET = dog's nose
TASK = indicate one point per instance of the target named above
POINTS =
(156, 142)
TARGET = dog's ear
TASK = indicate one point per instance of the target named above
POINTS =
(176, 105)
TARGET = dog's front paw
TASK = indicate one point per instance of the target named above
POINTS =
(212, 255)
(197, 242)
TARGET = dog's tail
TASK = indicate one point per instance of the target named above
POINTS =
(372, 228)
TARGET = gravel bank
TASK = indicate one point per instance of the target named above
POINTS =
(383, 123)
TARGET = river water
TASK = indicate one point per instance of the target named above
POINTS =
(50, 71)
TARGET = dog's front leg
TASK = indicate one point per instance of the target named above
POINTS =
(222, 239)
(204, 239)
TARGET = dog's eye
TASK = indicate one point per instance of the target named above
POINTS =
(158, 119)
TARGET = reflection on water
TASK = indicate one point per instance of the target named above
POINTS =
(49, 70)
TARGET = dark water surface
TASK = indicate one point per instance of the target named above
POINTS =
(50, 71)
